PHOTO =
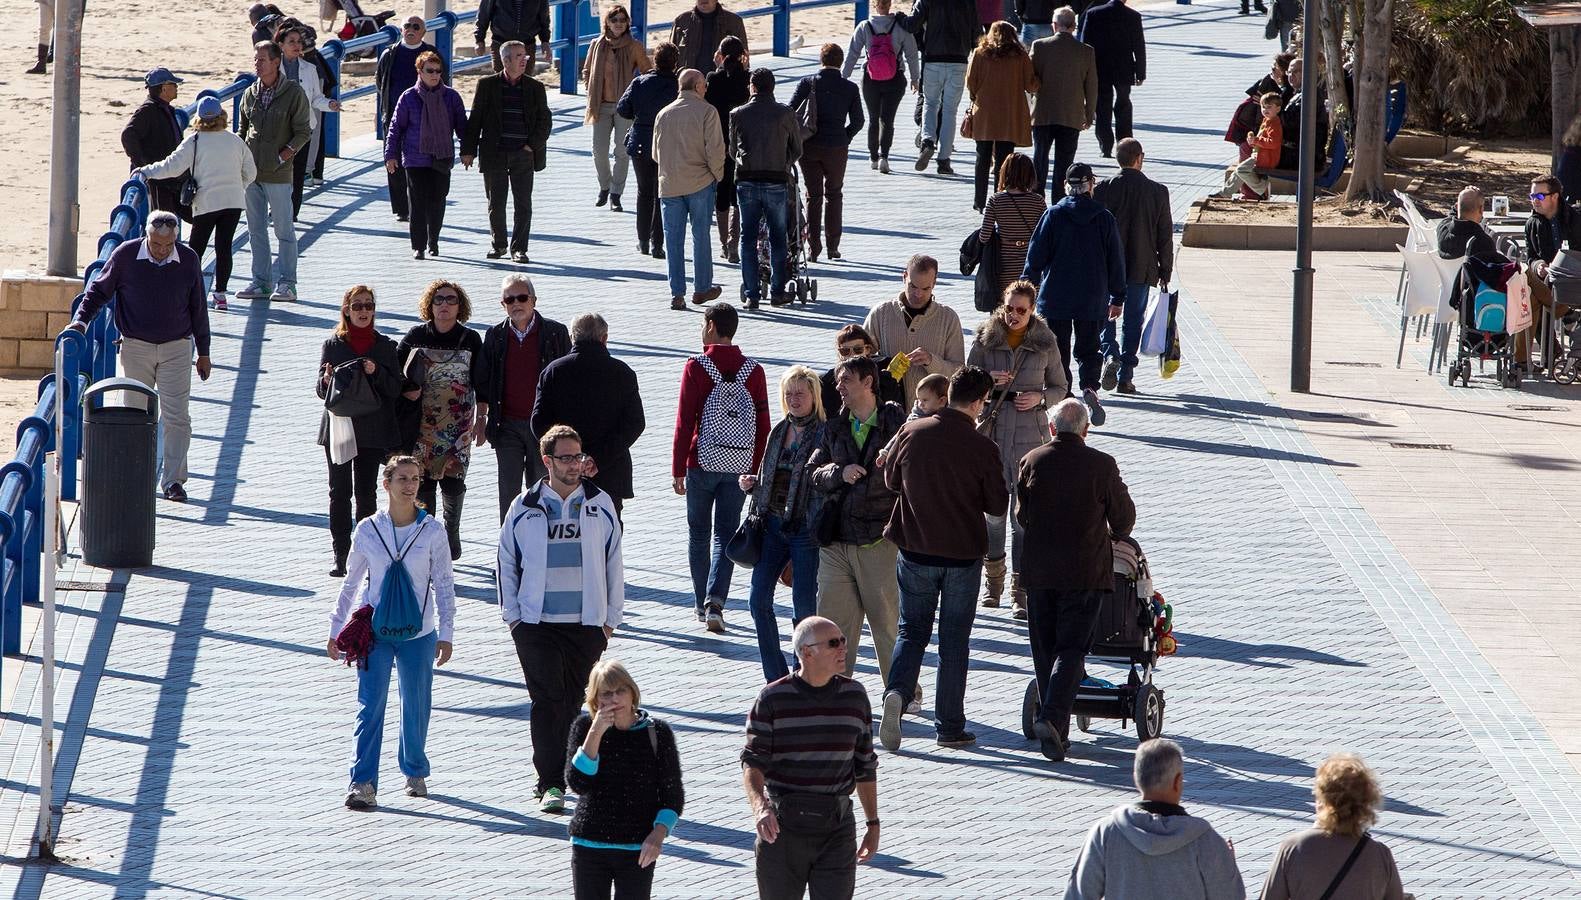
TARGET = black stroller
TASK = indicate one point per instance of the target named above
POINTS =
(798, 286)
(360, 24)
(1134, 629)
(1483, 304)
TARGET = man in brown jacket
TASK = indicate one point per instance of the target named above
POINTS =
(699, 30)
(947, 477)
(1071, 502)
(689, 147)
(1067, 98)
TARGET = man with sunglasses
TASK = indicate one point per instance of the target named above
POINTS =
(1553, 222)
(515, 353)
(397, 71)
(562, 593)
(508, 133)
(809, 746)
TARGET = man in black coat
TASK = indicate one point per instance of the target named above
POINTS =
(153, 134)
(508, 126)
(597, 395)
(1147, 234)
(395, 72)
(1114, 32)
(1290, 120)
(515, 353)
(512, 20)
(1072, 502)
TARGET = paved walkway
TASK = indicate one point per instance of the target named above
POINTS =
(206, 736)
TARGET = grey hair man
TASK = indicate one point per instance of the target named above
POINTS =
(1067, 99)
(1071, 502)
(1153, 847)
(1463, 233)
(507, 133)
(809, 746)
(595, 393)
(515, 353)
(157, 284)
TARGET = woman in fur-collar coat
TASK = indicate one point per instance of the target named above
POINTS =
(1018, 349)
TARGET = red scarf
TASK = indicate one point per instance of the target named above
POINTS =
(359, 339)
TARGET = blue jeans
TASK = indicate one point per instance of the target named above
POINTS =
(1030, 33)
(760, 200)
(413, 662)
(697, 206)
(952, 594)
(265, 201)
(713, 513)
(1130, 330)
(800, 548)
(942, 84)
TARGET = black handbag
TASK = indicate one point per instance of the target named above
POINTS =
(971, 253)
(985, 289)
(350, 392)
(746, 545)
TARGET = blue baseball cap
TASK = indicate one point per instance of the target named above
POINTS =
(159, 76)
(210, 108)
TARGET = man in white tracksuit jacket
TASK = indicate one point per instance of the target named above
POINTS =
(562, 592)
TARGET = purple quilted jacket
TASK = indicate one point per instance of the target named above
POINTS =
(401, 140)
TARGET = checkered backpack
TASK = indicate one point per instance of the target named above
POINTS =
(730, 421)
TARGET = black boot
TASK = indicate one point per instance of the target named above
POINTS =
(43, 54)
(452, 504)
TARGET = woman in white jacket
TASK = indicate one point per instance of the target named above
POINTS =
(407, 533)
(293, 44)
(222, 166)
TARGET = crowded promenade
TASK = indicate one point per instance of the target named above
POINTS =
(207, 735)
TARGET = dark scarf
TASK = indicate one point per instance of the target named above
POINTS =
(433, 136)
(811, 435)
(360, 339)
(913, 313)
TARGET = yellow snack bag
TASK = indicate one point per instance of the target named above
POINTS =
(898, 366)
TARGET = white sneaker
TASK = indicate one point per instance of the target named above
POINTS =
(889, 726)
(416, 787)
(217, 301)
(252, 292)
(883, 165)
(361, 796)
(285, 293)
(914, 708)
(315, 182)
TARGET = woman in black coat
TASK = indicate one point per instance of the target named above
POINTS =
(727, 89)
(644, 97)
(377, 433)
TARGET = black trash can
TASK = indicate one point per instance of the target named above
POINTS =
(120, 447)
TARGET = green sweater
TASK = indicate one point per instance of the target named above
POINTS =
(286, 123)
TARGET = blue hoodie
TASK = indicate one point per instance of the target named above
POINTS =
(1076, 260)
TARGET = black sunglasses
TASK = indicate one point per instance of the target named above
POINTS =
(518, 298)
(362, 307)
(446, 300)
(833, 643)
(1538, 198)
(412, 26)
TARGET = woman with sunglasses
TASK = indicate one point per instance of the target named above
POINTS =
(613, 60)
(1018, 349)
(442, 364)
(429, 119)
(854, 340)
(355, 342)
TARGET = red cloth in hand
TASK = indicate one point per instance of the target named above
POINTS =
(355, 641)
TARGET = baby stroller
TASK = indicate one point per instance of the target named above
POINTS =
(1479, 296)
(1134, 629)
(1564, 279)
(358, 24)
(798, 286)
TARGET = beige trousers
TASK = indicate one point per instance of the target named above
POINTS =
(856, 582)
(167, 368)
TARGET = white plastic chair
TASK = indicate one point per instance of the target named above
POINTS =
(1423, 289)
(1445, 317)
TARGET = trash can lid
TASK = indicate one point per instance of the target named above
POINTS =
(101, 388)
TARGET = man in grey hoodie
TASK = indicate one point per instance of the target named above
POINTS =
(1154, 848)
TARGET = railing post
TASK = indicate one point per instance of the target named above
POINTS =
(566, 25)
(9, 578)
(444, 37)
(33, 516)
(329, 126)
(639, 20)
(782, 27)
(11, 613)
(861, 12)
(66, 406)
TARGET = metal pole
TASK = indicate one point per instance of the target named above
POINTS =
(65, 136)
(432, 8)
(1301, 308)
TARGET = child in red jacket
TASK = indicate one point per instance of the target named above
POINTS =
(1269, 138)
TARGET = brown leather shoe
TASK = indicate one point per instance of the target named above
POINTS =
(708, 296)
(677, 302)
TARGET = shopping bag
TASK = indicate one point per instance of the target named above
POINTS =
(1519, 303)
(342, 440)
(1169, 362)
(1155, 325)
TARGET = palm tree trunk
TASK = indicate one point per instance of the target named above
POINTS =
(1371, 77)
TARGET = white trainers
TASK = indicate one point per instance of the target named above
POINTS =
(914, 708)
(217, 301)
(416, 787)
(883, 165)
(361, 796)
(252, 292)
(285, 293)
(889, 726)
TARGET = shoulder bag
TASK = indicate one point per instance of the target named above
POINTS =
(189, 187)
(350, 392)
(1344, 870)
(986, 426)
(746, 545)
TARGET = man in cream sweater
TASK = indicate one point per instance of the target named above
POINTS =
(922, 336)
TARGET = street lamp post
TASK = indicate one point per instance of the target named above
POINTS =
(65, 139)
(1301, 308)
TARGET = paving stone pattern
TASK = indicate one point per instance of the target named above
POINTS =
(208, 758)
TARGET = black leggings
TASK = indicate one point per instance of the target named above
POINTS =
(990, 156)
(883, 101)
(426, 188)
(356, 478)
(222, 224)
(650, 229)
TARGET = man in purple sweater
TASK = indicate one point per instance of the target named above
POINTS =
(157, 285)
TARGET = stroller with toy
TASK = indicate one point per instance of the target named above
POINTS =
(1135, 627)
(798, 286)
(358, 23)
(1481, 298)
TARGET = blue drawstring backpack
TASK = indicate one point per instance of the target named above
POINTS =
(399, 616)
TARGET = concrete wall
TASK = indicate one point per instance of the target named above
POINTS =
(33, 309)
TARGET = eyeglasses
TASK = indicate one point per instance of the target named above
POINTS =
(619, 19)
(1538, 198)
(433, 71)
(362, 307)
(853, 349)
(412, 26)
(446, 300)
(518, 298)
(833, 643)
(1017, 310)
(567, 459)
